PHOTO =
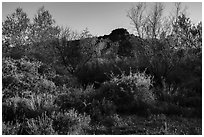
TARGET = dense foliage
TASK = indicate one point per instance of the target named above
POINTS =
(55, 81)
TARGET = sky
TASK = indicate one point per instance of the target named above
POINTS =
(99, 17)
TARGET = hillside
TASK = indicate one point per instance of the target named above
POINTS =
(58, 82)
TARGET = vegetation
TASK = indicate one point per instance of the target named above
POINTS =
(56, 81)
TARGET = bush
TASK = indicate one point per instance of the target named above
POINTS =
(10, 128)
(66, 80)
(100, 109)
(31, 107)
(85, 100)
(70, 122)
(94, 73)
(40, 126)
(77, 98)
(45, 86)
(113, 120)
(22, 75)
(8, 66)
(129, 92)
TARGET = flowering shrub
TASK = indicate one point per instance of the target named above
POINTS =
(129, 91)
(137, 83)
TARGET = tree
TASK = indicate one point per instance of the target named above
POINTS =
(44, 26)
(153, 28)
(85, 34)
(44, 31)
(75, 50)
(15, 32)
(137, 17)
(152, 24)
(185, 34)
(146, 25)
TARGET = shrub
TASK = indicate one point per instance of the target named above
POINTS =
(66, 80)
(70, 122)
(8, 66)
(113, 120)
(43, 102)
(40, 126)
(15, 109)
(100, 109)
(45, 86)
(28, 66)
(10, 128)
(174, 100)
(19, 75)
(18, 108)
(70, 98)
(77, 98)
(194, 101)
(129, 91)
(170, 109)
(85, 100)
(94, 73)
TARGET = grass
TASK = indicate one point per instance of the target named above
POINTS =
(153, 125)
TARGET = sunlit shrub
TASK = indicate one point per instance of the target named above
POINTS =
(22, 75)
(45, 86)
(10, 128)
(28, 66)
(15, 109)
(41, 126)
(129, 91)
(70, 122)
(34, 105)
(8, 66)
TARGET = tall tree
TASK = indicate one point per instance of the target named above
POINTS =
(155, 21)
(44, 26)
(186, 35)
(152, 24)
(147, 25)
(137, 17)
(44, 31)
(16, 31)
(75, 50)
